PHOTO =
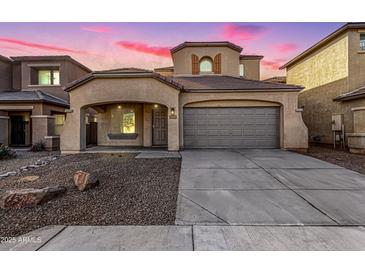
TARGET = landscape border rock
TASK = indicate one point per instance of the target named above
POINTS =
(39, 163)
(29, 197)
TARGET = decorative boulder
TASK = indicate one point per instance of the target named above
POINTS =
(29, 197)
(84, 180)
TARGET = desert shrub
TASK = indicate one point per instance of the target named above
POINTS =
(39, 146)
(6, 152)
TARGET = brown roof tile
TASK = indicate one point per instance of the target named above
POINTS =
(213, 82)
(31, 96)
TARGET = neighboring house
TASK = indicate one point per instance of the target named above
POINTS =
(333, 74)
(206, 100)
(277, 79)
(32, 99)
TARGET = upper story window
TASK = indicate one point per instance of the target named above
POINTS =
(362, 41)
(242, 70)
(206, 65)
(45, 76)
(49, 77)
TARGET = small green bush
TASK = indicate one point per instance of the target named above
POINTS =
(6, 152)
(39, 146)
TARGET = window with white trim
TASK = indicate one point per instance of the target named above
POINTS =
(206, 65)
(242, 70)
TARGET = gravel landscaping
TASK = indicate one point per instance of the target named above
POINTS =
(131, 192)
(337, 156)
(23, 158)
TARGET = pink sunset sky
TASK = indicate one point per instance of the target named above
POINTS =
(147, 45)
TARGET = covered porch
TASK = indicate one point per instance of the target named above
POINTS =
(134, 108)
(131, 125)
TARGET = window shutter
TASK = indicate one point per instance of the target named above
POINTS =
(217, 64)
(195, 64)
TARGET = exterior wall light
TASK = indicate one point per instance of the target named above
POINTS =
(119, 107)
(155, 106)
(172, 114)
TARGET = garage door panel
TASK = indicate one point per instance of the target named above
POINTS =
(232, 127)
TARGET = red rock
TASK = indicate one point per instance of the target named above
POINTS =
(84, 180)
(29, 197)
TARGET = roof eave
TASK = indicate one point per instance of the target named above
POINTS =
(245, 90)
(36, 101)
(209, 44)
(124, 75)
(349, 97)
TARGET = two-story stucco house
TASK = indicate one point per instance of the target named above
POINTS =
(32, 98)
(210, 98)
(333, 74)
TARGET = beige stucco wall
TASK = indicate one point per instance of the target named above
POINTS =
(325, 66)
(4, 128)
(104, 91)
(359, 119)
(229, 59)
(68, 73)
(147, 125)
(356, 60)
(294, 133)
(335, 69)
(5, 75)
(251, 68)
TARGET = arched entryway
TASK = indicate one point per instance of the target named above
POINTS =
(130, 111)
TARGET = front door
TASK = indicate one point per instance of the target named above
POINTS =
(159, 127)
(17, 130)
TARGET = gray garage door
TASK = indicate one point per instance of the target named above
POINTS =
(245, 127)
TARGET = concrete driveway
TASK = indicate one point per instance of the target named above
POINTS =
(267, 187)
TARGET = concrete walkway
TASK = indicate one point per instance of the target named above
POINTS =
(267, 187)
(180, 238)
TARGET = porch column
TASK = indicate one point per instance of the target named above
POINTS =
(173, 129)
(42, 126)
(73, 133)
(4, 129)
(147, 125)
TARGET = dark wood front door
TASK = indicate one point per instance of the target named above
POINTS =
(92, 133)
(17, 130)
(159, 127)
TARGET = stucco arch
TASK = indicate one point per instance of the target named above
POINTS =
(114, 90)
(99, 91)
(232, 103)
